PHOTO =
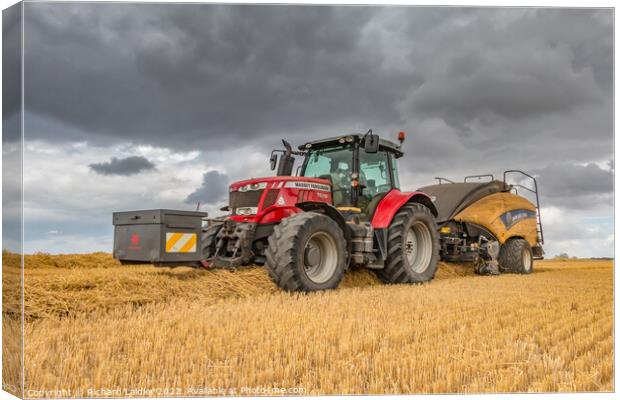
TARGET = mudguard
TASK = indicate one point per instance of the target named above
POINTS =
(393, 201)
(333, 213)
(328, 210)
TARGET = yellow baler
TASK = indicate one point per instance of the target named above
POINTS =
(489, 223)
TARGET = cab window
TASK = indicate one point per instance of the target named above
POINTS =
(333, 164)
(395, 172)
(374, 175)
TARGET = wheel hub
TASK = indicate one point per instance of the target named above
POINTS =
(527, 260)
(312, 255)
(418, 247)
(320, 257)
(410, 245)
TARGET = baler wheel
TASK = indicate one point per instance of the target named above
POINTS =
(307, 252)
(516, 256)
(413, 246)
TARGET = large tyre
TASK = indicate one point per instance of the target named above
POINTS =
(413, 246)
(516, 256)
(209, 239)
(307, 252)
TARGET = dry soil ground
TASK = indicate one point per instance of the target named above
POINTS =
(95, 328)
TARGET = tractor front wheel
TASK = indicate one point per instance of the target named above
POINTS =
(413, 246)
(306, 252)
(209, 239)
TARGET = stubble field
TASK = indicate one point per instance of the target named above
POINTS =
(95, 328)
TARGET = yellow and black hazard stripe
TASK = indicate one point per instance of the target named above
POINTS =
(177, 242)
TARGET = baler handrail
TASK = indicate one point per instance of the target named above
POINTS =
(440, 178)
(522, 187)
(509, 171)
(479, 177)
(535, 191)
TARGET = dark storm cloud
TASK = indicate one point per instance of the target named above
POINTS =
(524, 65)
(478, 89)
(214, 188)
(178, 75)
(536, 90)
(209, 76)
(576, 186)
(11, 73)
(123, 166)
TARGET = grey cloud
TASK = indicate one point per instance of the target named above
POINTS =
(213, 189)
(515, 64)
(123, 166)
(508, 92)
(576, 186)
(209, 76)
(11, 73)
(189, 74)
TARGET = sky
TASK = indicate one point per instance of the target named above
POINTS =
(138, 106)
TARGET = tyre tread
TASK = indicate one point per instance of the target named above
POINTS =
(510, 257)
(394, 270)
(209, 238)
(283, 249)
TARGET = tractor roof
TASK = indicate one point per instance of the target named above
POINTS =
(336, 141)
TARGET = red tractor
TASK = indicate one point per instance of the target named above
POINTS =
(345, 208)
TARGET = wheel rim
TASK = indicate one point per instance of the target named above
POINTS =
(320, 257)
(527, 260)
(419, 247)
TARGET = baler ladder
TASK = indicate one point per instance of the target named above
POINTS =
(539, 228)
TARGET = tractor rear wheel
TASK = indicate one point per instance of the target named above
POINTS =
(516, 256)
(413, 246)
(307, 252)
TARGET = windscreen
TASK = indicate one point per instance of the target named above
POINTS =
(333, 164)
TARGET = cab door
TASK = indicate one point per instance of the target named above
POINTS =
(375, 179)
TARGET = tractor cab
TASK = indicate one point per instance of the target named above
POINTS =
(361, 168)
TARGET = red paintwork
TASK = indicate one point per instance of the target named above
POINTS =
(277, 213)
(289, 195)
(277, 179)
(389, 206)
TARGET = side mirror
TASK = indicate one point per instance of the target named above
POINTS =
(273, 160)
(371, 143)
